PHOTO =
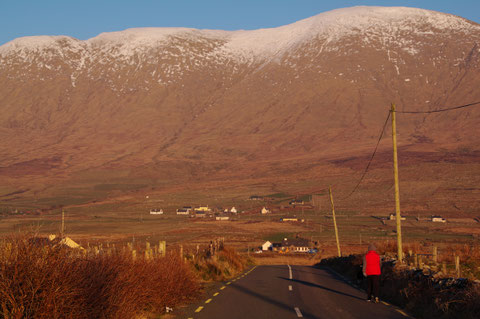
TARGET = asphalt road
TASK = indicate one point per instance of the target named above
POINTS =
(290, 292)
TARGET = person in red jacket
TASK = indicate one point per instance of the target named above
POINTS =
(372, 270)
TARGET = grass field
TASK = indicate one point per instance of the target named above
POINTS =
(123, 221)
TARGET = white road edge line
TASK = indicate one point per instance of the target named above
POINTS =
(299, 314)
(290, 272)
(290, 287)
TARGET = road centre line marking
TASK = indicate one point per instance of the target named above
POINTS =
(299, 314)
(385, 303)
(199, 309)
(228, 283)
(223, 287)
(216, 294)
(290, 287)
(290, 272)
(208, 301)
(403, 313)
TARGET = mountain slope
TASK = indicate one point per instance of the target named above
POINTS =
(163, 106)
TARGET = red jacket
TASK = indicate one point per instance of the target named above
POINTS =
(371, 264)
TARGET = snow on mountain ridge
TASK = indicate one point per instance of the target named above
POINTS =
(252, 44)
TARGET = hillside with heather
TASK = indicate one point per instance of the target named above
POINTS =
(294, 108)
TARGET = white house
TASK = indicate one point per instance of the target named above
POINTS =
(233, 210)
(265, 210)
(222, 218)
(156, 211)
(267, 246)
(438, 219)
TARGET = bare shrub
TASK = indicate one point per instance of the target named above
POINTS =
(40, 280)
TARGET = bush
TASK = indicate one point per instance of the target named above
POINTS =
(41, 280)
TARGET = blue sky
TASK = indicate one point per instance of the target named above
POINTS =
(84, 19)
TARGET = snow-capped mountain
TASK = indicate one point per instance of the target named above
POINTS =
(178, 103)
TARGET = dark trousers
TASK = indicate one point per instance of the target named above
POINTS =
(373, 286)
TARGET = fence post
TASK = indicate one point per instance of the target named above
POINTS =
(148, 251)
(444, 268)
(457, 265)
(435, 256)
(181, 252)
(416, 261)
(134, 254)
(162, 248)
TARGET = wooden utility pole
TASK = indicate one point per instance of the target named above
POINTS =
(63, 224)
(397, 190)
(334, 222)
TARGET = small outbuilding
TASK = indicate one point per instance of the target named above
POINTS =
(183, 211)
(394, 217)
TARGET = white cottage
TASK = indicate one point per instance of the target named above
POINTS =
(156, 212)
(438, 219)
(267, 246)
(265, 210)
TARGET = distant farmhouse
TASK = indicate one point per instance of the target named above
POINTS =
(265, 211)
(296, 245)
(255, 197)
(202, 209)
(156, 211)
(438, 219)
(267, 246)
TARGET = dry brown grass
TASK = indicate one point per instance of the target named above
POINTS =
(38, 280)
(285, 259)
(225, 264)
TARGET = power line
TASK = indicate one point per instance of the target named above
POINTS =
(383, 130)
(371, 158)
(440, 110)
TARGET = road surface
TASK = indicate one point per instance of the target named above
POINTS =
(289, 292)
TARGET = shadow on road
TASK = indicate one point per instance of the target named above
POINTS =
(306, 283)
(269, 300)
